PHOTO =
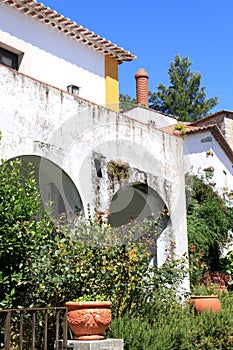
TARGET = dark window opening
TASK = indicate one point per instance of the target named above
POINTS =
(73, 89)
(8, 59)
(98, 168)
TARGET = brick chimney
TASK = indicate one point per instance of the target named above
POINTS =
(142, 87)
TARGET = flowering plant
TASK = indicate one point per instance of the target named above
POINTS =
(216, 279)
(216, 282)
(212, 283)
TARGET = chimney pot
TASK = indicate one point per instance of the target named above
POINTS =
(142, 87)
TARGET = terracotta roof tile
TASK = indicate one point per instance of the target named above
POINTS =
(213, 128)
(49, 17)
(209, 117)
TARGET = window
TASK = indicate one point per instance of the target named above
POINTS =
(73, 89)
(8, 59)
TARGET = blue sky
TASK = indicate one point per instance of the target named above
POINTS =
(155, 31)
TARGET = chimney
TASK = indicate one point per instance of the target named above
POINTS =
(142, 87)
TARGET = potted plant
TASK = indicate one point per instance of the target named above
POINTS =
(179, 130)
(88, 317)
(206, 293)
(205, 299)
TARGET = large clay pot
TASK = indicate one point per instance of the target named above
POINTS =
(88, 320)
(205, 303)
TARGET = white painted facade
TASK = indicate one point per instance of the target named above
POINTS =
(150, 116)
(38, 120)
(64, 134)
(51, 57)
(203, 151)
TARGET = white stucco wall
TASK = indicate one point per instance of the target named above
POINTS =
(150, 116)
(51, 57)
(196, 159)
(40, 120)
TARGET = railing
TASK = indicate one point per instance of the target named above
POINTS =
(33, 328)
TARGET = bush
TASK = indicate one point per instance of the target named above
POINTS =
(44, 264)
(21, 230)
(174, 326)
(208, 221)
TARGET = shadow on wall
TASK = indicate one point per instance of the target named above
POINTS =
(55, 186)
(131, 205)
(135, 202)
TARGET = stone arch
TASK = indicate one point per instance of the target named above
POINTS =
(135, 201)
(55, 186)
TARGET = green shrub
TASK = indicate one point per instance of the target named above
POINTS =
(44, 264)
(174, 326)
(208, 222)
(21, 230)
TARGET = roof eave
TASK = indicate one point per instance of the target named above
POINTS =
(214, 129)
(70, 28)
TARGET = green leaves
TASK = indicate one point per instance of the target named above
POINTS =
(184, 98)
(209, 220)
(45, 264)
(20, 232)
(166, 324)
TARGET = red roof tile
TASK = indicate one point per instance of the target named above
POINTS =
(213, 128)
(72, 29)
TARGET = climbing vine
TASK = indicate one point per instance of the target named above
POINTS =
(118, 170)
(208, 219)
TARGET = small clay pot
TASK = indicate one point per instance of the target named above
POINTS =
(205, 303)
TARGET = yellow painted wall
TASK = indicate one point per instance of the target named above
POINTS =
(111, 83)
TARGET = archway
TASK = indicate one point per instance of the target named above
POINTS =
(135, 202)
(58, 192)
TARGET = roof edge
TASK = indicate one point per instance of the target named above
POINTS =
(70, 28)
(208, 117)
(218, 136)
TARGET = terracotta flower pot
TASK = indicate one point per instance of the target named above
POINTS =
(205, 303)
(88, 320)
(177, 132)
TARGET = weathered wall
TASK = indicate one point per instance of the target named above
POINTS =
(150, 116)
(196, 157)
(216, 119)
(40, 120)
(224, 120)
(228, 132)
(52, 57)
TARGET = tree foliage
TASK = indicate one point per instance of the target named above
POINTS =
(45, 264)
(22, 231)
(208, 220)
(184, 98)
(126, 102)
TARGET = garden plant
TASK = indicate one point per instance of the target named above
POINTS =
(46, 264)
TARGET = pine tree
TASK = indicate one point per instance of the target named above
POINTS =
(184, 98)
(126, 102)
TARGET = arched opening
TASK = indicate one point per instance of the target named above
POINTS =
(133, 203)
(58, 192)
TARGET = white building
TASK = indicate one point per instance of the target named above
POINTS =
(44, 45)
(72, 140)
(208, 154)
